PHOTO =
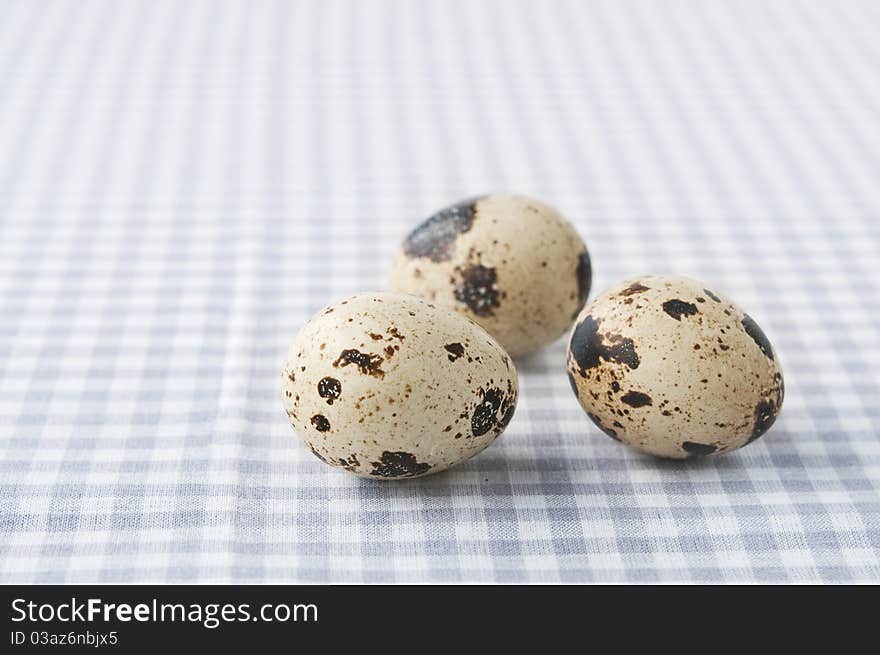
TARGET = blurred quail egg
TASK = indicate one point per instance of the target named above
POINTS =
(512, 264)
(666, 365)
(386, 385)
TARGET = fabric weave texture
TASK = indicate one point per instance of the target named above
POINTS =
(183, 184)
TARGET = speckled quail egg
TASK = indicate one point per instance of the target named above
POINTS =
(387, 385)
(666, 365)
(512, 264)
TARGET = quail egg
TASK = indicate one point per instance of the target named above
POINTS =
(387, 385)
(512, 264)
(668, 366)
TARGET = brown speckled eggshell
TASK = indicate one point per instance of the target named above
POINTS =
(386, 385)
(668, 366)
(512, 264)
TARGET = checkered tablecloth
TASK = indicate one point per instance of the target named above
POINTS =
(183, 184)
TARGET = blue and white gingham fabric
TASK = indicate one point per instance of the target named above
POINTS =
(183, 184)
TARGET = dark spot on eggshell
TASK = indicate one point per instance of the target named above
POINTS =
(478, 289)
(712, 295)
(367, 363)
(584, 278)
(611, 433)
(455, 351)
(765, 416)
(494, 410)
(349, 464)
(329, 388)
(635, 287)
(636, 399)
(677, 308)
(320, 422)
(486, 412)
(757, 334)
(435, 238)
(695, 449)
(588, 347)
(398, 464)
